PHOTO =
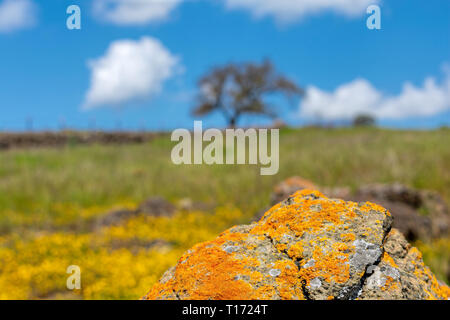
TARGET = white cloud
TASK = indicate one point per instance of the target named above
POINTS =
(141, 12)
(361, 97)
(134, 12)
(129, 70)
(291, 10)
(16, 15)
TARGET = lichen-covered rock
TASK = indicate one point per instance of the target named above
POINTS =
(418, 214)
(401, 274)
(307, 247)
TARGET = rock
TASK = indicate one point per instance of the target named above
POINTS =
(308, 247)
(156, 206)
(112, 218)
(401, 274)
(337, 192)
(418, 214)
(393, 192)
(187, 204)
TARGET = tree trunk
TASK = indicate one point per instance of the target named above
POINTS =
(232, 122)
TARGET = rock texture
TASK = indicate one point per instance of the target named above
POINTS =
(307, 247)
(418, 214)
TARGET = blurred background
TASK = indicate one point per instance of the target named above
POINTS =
(86, 176)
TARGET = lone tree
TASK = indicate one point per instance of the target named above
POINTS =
(238, 89)
(364, 120)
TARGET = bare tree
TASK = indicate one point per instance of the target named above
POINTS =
(364, 120)
(237, 89)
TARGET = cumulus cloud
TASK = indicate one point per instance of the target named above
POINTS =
(129, 70)
(291, 10)
(16, 15)
(134, 12)
(361, 97)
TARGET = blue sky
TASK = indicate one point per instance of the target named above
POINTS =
(396, 72)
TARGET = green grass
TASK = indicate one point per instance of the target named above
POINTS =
(32, 181)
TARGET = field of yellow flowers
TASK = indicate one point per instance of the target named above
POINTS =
(50, 197)
(116, 262)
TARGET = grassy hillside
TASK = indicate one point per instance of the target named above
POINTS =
(47, 196)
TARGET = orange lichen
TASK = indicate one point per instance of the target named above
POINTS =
(348, 237)
(388, 259)
(329, 266)
(289, 283)
(390, 284)
(437, 290)
(414, 251)
(310, 213)
(425, 277)
(368, 206)
(304, 215)
(296, 251)
(208, 268)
